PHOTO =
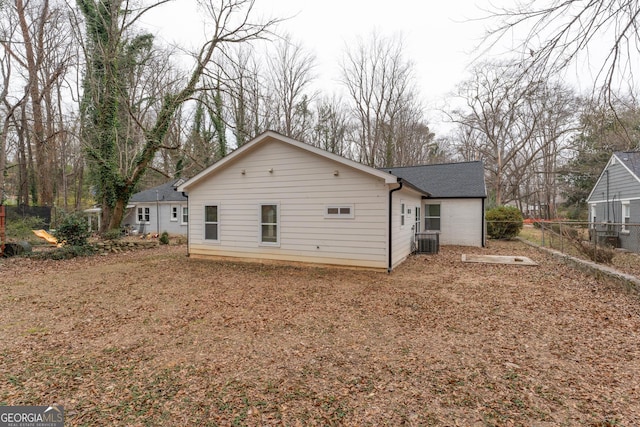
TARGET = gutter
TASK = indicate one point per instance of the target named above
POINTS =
(390, 262)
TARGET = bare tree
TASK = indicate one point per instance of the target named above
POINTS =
(516, 127)
(290, 74)
(109, 27)
(559, 33)
(380, 85)
(331, 127)
(40, 47)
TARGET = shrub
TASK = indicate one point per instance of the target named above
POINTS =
(164, 238)
(20, 229)
(504, 222)
(65, 252)
(113, 234)
(73, 230)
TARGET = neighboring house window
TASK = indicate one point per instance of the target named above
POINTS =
(338, 211)
(143, 215)
(432, 217)
(185, 215)
(418, 220)
(269, 224)
(211, 223)
(626, 215)
(402, 214)
(593, 216)
(174, 212)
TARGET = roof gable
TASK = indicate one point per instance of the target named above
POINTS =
(446, 180)
(163, 193)
(270, 136)
(630, 161)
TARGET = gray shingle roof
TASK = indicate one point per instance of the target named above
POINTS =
(165, 193)
(631, 159)
(445, 180)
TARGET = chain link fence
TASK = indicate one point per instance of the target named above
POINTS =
(583, 239)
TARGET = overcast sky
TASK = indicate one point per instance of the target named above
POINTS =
(440, 37)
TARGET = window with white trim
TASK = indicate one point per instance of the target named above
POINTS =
(626, 215)
(593, 216)
(432, 217)
(143, 215)
(185, 215)
(402, 212)
(269, 229)
(338, 211)
(211, 223)
(418, 220)
(174, 213)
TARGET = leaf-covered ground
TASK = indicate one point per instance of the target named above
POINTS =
(155, 338)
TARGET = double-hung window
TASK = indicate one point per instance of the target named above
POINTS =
(269, 229)
(418, 220)
(143, 215)
(211, 223)
(174, 212)
(185, 215)
(432, 217)
(402, 214)
(626, 215)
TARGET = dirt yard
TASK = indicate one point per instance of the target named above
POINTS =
(154, 338)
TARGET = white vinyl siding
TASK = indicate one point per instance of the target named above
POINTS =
(304, 184)
(460, 221)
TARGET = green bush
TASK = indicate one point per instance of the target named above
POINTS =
(73, 230)
(20, 229)
(164, 238)
(504, 222)
(113, 234)
(65, 252)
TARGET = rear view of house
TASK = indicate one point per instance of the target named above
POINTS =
(276, 198)
(456, 205)
(614, 202)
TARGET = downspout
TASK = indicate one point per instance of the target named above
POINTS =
(390, 264)
(188, 213)
(484, 226)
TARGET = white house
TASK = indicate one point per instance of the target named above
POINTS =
(276, 198)
(158, 209)
(456, 205)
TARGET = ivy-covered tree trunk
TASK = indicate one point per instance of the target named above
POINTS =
(111, 56)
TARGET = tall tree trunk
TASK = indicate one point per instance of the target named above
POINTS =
(43, 176)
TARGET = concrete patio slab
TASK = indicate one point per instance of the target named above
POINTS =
(498, 259)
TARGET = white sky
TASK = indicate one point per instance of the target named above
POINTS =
(439, 36)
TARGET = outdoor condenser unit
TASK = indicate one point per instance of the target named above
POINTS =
(427, 242)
